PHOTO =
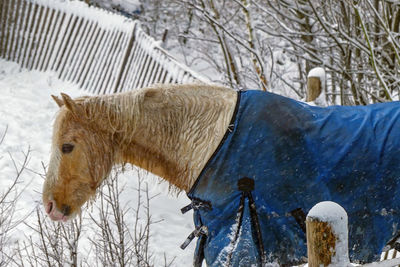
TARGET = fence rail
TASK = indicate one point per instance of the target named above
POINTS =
(100, 51)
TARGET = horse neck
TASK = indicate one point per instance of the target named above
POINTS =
(172, 130)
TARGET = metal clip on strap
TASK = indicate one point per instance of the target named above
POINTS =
(186, 208)
(196, 233)
(197, 204)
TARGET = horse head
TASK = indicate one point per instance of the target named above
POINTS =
(82, 156)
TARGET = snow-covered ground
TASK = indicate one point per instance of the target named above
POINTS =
(27, 112)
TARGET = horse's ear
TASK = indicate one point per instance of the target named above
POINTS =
(71, 105)
(59, 102)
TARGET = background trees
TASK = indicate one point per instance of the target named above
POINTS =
(272, 44)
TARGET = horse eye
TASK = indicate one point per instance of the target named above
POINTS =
(67, 148)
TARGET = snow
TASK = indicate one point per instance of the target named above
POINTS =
(127, 6)
(386, 263)
(336, 217)
(328, 211)
(106, 19)
(28, 111)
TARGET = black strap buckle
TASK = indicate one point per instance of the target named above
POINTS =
(202, 230)
(197, 204)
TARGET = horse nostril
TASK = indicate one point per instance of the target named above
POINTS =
(49, 207)
(65, 209)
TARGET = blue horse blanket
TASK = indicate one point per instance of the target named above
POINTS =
(294, 156)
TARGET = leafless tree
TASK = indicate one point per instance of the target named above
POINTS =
(272, 44)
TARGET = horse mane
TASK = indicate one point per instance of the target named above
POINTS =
(127, 115)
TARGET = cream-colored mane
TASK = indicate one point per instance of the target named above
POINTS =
(169, 130)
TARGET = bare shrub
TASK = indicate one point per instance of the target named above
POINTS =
(8, 205)
(117, 241)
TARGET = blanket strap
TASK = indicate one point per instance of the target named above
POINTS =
(199, 231)
(199, 257)
(197, 204)
(300, 217)
(394, 243)
(239, 219)
(246, 185)
(256, 226)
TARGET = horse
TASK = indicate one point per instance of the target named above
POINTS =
(252, 163)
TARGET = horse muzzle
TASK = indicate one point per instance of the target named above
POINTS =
(58, 215)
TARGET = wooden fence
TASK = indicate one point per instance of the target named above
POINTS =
(99, 51)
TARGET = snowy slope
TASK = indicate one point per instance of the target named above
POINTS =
(28, 111)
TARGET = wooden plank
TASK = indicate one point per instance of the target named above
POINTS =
(109, 66)
(115, 66)
(104, 64)
(161, 71)
(83, 52)
(43, 42)
(4, 27)
(100, 34)
(1, 22)
(67, 44)
(31, 35)
(13, 25)
(153, 70)
(92, 43)
(164, 76)
(140, 61)
(147, 72)
(61, 41)
(51, 49)
(156, 67)
(96, 85)
(36, 37)
(17, 34)
(144, 63)
(157, 74)
(72, 47)
(136, 65)
(141, 70)
(124, 61)
(26, 7)
(28, 36)
(96, 61)
(128, 71)
(80, 50)
(118, 63)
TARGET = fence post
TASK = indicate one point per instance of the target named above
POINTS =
(315, 83)
(327, 235)
(125, 59)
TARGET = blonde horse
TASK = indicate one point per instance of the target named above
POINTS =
(169, 130)
(253, 164)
